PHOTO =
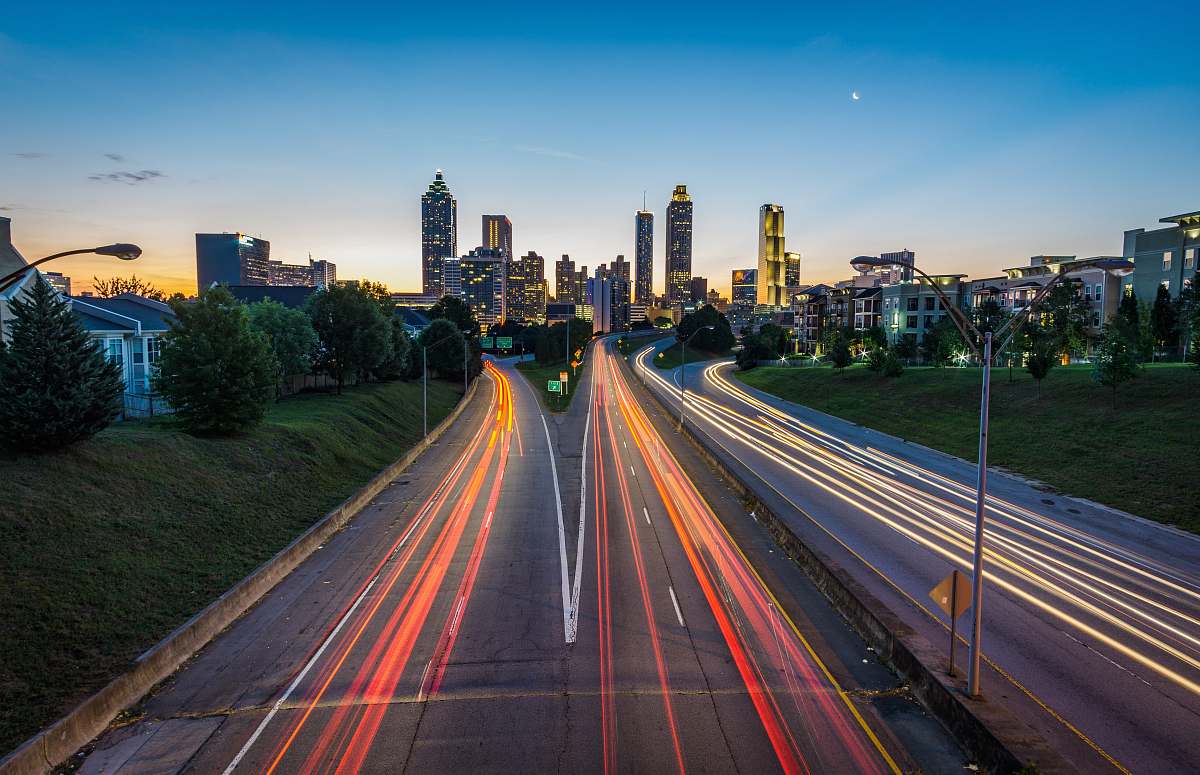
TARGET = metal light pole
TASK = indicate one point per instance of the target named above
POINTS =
(964, 324)
(683, 369)
(123, 251)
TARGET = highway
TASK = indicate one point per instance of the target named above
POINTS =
(538, 593)
(1091, 618)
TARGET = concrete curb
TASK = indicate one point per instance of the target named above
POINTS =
(58, 742)
(999, 741)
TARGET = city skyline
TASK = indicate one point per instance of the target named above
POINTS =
(977, 154)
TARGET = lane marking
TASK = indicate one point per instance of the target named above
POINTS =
(675, 602)
(647, 516)
(568, 613)
(631, 471)
(296, 681)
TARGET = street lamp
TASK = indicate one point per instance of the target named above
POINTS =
(1116, 266)
(425, 374)
(121, 250)
(683, 368)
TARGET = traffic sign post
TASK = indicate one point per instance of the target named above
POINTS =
(953, 595)
(504, 343)
(554, 386)
(485, 342)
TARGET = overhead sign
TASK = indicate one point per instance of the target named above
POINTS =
(554, 386)
(485, 342)
(504, 343)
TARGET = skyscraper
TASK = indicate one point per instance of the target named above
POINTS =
(566, 281)
(439, 233)
(772, 263)
(643, 257)
(745, 287)
(497, 233)
(698, 289)
(231, 259)
(791, 277)
(679, 246)
(483, 284)
(525, 287)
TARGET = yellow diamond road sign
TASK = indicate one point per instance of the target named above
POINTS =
(953, 594)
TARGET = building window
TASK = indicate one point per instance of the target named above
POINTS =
(1095, 319)
(1167, 261)
(929, 303)
(1099, 292)
(912, 305)
(115, 351)
(912, 321)
(1189, 258)
(1087, 292)
(928, 321)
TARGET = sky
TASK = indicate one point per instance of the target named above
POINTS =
(981, 137)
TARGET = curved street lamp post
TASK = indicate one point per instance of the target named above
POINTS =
(1117, 267)
(121, 250)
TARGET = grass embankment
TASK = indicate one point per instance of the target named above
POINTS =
(111, 544)
(1138, 458)
(538, 375)
(673, 356)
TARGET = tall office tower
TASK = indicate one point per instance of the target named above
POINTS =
(679, 245)
(643, 257)
(581, 278)
(232, 259)
(324, 272)
(618, 276)
(698, 289)
(902, 267)
(791, 277)
(619, 268)
(564, 281)
(600, 293)
(497, 233)
(525, 287)
(483, 284)
(772, 265)
(451, 278)
(439, 233)
(279, 273)
(745, 287)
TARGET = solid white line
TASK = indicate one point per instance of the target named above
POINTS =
(582, 515)
(674, 602)
(631, 470)
(296, 681)
(568, 632)
(647, 515)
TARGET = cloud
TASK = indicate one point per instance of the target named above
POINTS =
(30, 155)
(557, 154)
(114, 156)
(128, 178)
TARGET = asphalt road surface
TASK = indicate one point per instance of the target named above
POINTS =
(1091, 618)
(538, 593)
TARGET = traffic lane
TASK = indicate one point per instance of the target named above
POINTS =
(1077, 691)
(382, 652)
(505, 678)
(239, 674)
(808, 707)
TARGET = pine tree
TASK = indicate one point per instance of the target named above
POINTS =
(56, 387)
(214, 369)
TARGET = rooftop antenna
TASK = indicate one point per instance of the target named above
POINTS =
(643, 200)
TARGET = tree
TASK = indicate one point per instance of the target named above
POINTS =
(1128, 309)
(216, 370)
(1041, 358)
(718, 339)
(839, 353)
(115, 286)
(457, 312)
(906, 347)
(444, 344)
(663, 322)
(755, 348)
(397, 362)
(892, 367)
(552, 346)
(876, 358)
(290, 335)
(1164, 319)
(775, 338)
(56, 387)
(1115, 360)
(942, 342)
(354, 334)
(1065, 315)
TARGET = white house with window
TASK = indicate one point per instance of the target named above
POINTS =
(128, 329)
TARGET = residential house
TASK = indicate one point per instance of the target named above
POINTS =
(128, 329)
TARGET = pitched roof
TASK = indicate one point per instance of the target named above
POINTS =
(125, 312)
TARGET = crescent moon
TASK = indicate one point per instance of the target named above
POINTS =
(854, 96)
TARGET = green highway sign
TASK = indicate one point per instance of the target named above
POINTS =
(554, 386)
(504, 343)
(485, 342)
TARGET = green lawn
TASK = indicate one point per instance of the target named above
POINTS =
(539, 375)
(673, 356)
(1139, 458)
(111, 544)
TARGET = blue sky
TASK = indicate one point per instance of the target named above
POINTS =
(981, 138)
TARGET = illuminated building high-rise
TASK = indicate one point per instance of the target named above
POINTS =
(439, 233)
(498, 233)
(565, 281)
(679, 246)
(525, 287)
(791, 279)
(643, 258)
(744, 287)
(483, 284)
(772, 263)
